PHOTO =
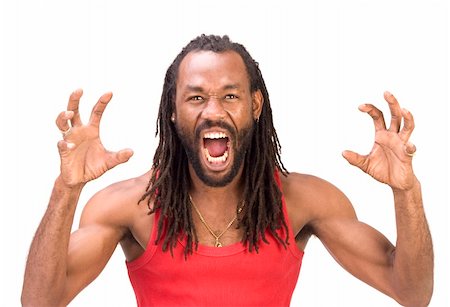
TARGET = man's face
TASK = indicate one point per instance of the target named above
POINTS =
(215, 112)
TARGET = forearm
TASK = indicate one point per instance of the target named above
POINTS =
(413, 258)
(46, 267)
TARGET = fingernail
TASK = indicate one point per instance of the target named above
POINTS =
(387, 93)
(106, 97)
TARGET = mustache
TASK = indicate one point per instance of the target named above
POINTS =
(211, 124)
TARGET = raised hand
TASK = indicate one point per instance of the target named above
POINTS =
(390, 160)
(83, 157)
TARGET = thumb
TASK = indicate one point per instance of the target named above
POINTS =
(124, 155)
(121, 156)
(354, 158)
(64, 147)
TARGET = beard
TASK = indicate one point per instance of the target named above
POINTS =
(240, 144)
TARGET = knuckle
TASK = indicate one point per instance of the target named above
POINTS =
(376, 114)
(98, 113)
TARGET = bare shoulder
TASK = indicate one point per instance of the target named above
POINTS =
(311, 200)
(118, 204)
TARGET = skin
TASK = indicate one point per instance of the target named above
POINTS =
(61, 264)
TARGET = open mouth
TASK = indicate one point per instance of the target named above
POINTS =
(216, 146)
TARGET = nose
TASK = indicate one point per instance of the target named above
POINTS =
(214, 110)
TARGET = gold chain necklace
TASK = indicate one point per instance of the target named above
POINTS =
(217, 237)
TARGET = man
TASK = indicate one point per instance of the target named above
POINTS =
(218, 220)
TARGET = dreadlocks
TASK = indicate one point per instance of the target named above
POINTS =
(169, 183)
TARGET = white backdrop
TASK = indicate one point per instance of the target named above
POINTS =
(320, 60)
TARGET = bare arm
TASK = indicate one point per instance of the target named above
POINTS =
(404, 271)
(410, 270)
(51, 277)
(413, 255)
(46, 265)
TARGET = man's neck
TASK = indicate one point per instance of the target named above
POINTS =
(218, 199)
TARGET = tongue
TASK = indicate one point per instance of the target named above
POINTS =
(216, 147)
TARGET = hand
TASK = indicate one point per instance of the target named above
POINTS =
(390, 160)
(83, 157)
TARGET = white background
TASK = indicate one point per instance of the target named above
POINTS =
(320, 60)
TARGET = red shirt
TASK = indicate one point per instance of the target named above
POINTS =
(212, 276)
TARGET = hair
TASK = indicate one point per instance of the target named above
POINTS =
(170, 180)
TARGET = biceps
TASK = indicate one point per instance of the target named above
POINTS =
(361, 250)
(90, 248)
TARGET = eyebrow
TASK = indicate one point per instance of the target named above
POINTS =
(196, 88)
(234, 86)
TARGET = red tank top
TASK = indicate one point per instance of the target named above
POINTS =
(211, 276)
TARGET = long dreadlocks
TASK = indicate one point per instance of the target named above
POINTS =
(169, 183)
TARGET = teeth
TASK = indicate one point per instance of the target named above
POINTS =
(215, 135)
(220, 159)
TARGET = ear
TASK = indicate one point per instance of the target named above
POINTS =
(257, 104)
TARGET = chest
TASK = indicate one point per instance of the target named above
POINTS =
(230, 274)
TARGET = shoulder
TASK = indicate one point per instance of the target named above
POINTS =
(118, 203)
(311, 200)
(301, 187)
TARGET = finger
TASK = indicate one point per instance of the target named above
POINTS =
(409, 149)
(354, 158)
(124, 155)
(408, 125)
(376, 114)
(62, 121)
(97, 110)
(65, 147)
(396, 114)
(73, 105)
(119, 157)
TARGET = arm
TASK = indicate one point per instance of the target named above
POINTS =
(52, 273)
(405, 271)
(390, 162)
(368, 255)
(413, 255)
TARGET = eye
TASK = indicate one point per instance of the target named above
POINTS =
(231, 96)
(196, 98)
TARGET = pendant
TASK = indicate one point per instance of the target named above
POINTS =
(218, 244)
